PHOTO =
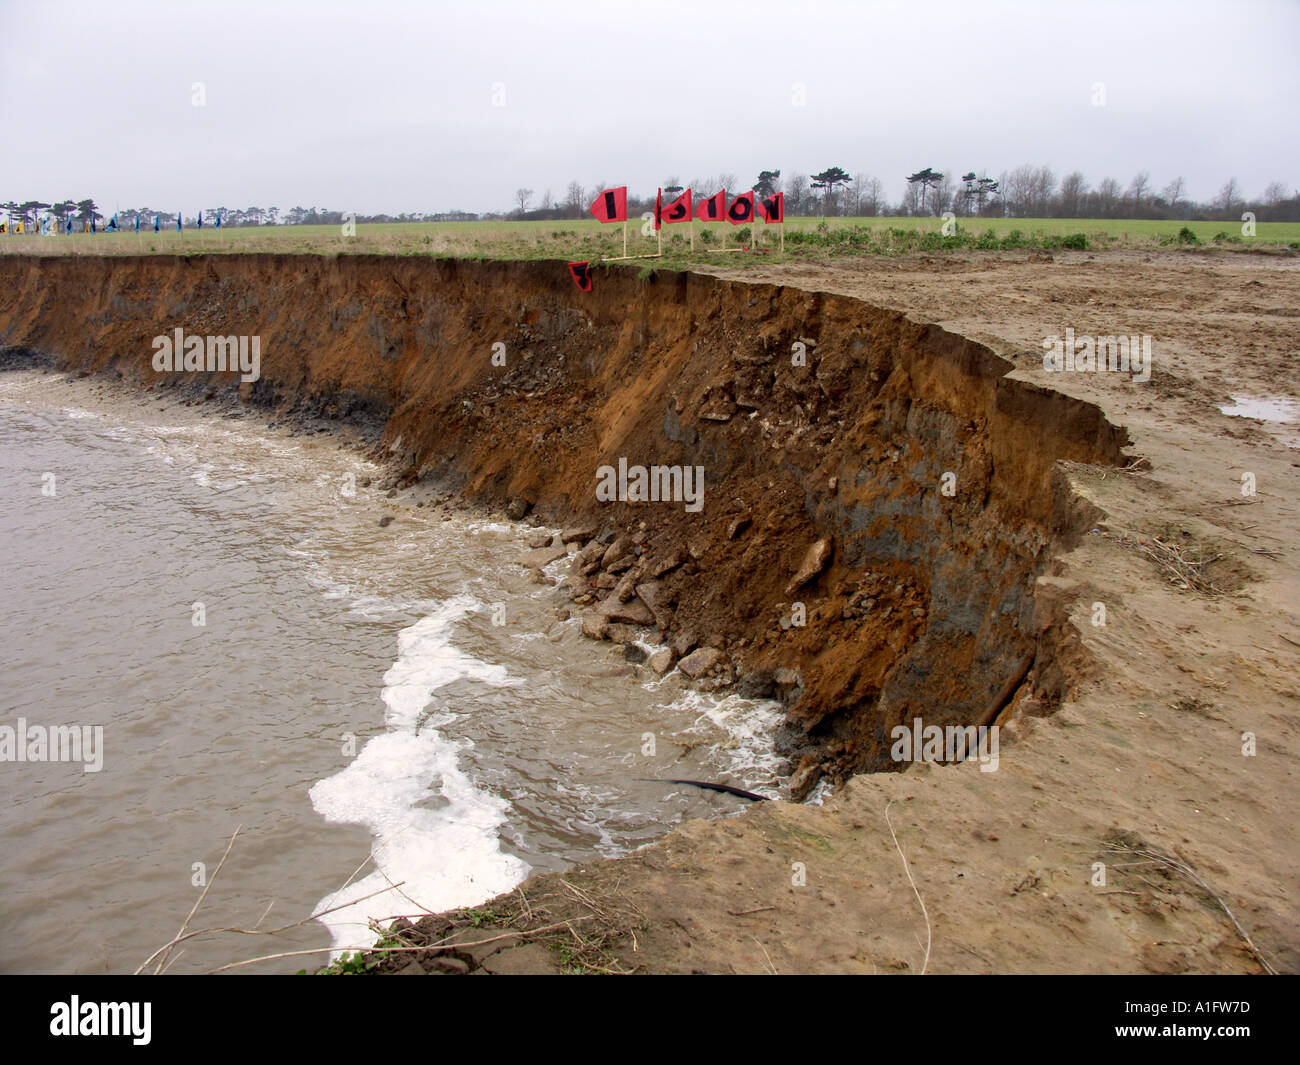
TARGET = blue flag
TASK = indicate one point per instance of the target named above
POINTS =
(92, 224)
(112, 224)
(157, 220)
(200, 219)
(137, 221)
(217, 223)
(178, 221)
(67, 225)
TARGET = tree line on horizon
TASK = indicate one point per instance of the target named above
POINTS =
(1026, 192)
(83, 211)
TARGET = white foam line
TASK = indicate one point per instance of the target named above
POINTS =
(447, 854)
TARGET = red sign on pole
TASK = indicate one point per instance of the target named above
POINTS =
(679, 210)
(741, 209)
(611, 205)
(712, 209)
(773, 207)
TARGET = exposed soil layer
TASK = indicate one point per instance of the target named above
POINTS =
(879, 497)
(1182, 746)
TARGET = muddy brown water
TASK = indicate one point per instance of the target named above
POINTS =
(374, 706)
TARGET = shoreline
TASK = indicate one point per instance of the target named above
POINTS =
(834, 538)
(853, 838)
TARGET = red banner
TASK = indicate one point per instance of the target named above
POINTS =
(741, 209)
(712, 209)
(611, 205)
(581, 274)
(679, 210)
(659, 209)
(773, 207)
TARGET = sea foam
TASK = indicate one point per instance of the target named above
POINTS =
(435, 833)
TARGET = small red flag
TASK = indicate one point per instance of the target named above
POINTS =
(611, 205)
(679, 210)
(711, 210)
(581, 274)
(659, 209)
(773, 207)
(741, 209)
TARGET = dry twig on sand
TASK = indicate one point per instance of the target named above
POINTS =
(928, 935)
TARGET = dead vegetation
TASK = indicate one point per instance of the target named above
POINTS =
(1147, 861)
(1185, 562)
(581, 928)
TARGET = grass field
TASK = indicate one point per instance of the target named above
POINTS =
(805, 238)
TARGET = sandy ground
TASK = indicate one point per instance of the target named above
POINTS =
(1149, 825)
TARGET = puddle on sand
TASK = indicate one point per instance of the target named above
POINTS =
(1273, 409)
(1267, 408)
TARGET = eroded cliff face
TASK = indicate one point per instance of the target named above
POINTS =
(926, 476)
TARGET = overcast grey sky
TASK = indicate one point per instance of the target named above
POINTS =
(390, 106)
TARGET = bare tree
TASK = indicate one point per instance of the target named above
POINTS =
(1174, 192)
(1074, 187)
(1044, 188)
(853, 196)
(1275, 193)
(1229, 198)
(1018, 190)
(547, 201)
(796, 194)
(575, 199)
(1139, 187)
(869, 190)
(523, 197)
(1108, 194)
(911, 204)
(942, 196)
